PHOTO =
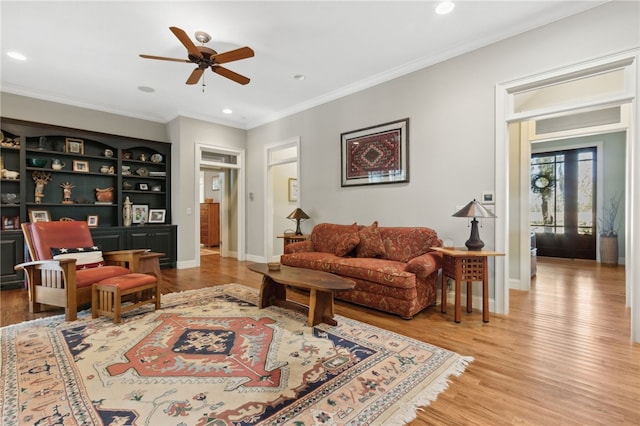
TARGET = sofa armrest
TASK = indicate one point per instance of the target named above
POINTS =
(299, 247)
(424, 265)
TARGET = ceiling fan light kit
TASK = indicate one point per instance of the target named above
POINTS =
(205, 57)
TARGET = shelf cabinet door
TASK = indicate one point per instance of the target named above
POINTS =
(110, 239)
(12, 253)
(161, 238)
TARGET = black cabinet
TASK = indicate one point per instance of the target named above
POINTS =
(110, 239)
(12, 249)
(158, 238)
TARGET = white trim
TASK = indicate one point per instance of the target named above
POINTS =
(504, 115)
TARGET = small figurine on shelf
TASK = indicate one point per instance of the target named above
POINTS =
(66, 190)
(41, 179)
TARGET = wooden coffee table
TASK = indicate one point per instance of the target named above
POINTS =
(321, 286)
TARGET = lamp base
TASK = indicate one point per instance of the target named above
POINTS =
(474, 243)
(298, 230)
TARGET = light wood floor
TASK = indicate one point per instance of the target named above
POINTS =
(563, 355)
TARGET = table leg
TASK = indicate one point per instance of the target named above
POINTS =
(485, 289)
(271, 293)
(457, 297)
(443, 303)
(321, 308)
(469, 296)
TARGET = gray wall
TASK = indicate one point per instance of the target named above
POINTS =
(451, 106)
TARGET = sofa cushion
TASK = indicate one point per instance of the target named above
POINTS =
(86, 257)
(316, 260)
(386, 272)
(346, 244)
(370, 242)
(403, 244)
(325, 237)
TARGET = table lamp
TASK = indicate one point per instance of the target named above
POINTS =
(298, 215)
(474, 209)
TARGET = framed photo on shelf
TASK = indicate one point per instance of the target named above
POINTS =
(92, 221)
(80, 166)
(140, 213)
(157, 215)
(375, 155)
(36, 215)
(10, 222)
(293, 189)
(74, 146)
(143, 187)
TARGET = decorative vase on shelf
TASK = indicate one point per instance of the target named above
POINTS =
(127, 212)
(104, 195)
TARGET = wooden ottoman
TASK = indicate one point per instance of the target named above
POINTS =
(107, 295)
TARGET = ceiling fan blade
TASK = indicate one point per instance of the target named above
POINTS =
(186, 41)
(162, 58)
(233, 55)
(230, 74)
(195, 76)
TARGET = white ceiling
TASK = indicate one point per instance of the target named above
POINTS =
(85, 53)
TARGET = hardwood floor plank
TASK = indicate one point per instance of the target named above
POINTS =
(562, 356)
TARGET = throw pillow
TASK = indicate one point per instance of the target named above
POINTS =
(371, 244)
(347, 243)
(86, 257)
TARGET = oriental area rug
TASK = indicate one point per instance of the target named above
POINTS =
(210, 357)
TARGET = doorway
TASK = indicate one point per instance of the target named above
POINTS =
(562, 203)
(229, 162)
(622, 71)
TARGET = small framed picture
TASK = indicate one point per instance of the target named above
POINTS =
(157, 215)
(140, 213)
(39, 216)
(10, 222)
(74, 146)
(143, 187)
(80, 166)
(293, 189)
(92, 221)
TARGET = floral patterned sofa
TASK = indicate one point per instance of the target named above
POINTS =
(393, 267)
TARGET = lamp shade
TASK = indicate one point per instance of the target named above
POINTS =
(474, 209)
(298, 215)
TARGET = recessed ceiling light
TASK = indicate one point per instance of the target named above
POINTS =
(445, 7)
(17, 55)
(146, 89)
(227, 111)
(299, 77)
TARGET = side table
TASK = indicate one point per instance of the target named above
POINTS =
(292, 238)
(150, 262)
(461, 264)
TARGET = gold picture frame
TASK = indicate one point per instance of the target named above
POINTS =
(74, 146)
(39, 215)
(81, 166)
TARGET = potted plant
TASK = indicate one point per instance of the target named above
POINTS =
(609, 232)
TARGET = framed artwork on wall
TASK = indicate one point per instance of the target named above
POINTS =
(375, 155)
(293, 189)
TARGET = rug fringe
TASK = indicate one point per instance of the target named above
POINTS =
(408, 412)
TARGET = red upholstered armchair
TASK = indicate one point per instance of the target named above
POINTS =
(65, 279)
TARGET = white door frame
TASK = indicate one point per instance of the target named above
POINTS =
(506, 114)
(269, 163)
(239, 154)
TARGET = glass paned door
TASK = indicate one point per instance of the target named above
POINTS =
(562, 203)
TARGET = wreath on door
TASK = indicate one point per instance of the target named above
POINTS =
(542, 183)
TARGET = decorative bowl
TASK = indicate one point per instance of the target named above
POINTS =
(9, 198)
(273, 266)
(156, 158)
(36, 162)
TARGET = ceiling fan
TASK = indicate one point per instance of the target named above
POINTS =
(205, 57)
